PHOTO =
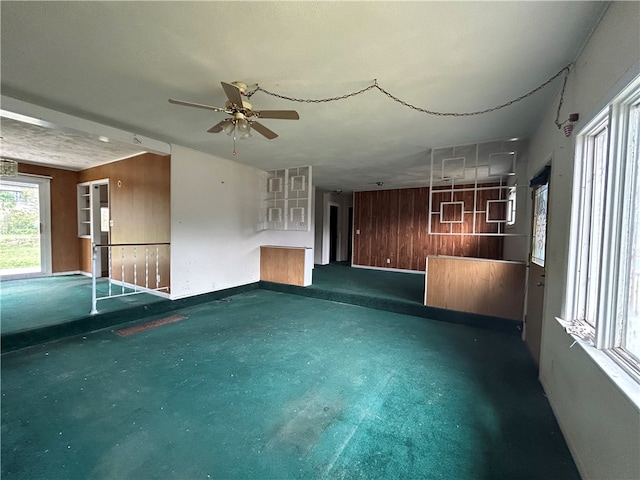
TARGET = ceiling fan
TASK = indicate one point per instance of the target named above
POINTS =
(241, 112)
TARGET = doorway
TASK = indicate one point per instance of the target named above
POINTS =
(537, 256)
(101, 223)
(350, 236)
(25, 227)
(333, 233)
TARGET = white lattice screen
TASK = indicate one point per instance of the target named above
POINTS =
(288, 199)
(471, 189)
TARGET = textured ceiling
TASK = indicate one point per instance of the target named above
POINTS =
(119, 62)
(63, 148)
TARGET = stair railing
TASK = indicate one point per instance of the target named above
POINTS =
(128, 270)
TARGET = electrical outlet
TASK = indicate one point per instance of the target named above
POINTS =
(358, 231)
(388, 260)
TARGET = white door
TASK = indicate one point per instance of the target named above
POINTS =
(25, 227)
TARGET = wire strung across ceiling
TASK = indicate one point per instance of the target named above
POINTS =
(564, 71)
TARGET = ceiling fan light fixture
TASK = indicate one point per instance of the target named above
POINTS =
(243, 128)
(228, 126)
(8, 167)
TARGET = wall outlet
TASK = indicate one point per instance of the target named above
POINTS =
(358, 231)
(388, 260)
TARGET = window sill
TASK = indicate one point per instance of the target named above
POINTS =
(622, 379)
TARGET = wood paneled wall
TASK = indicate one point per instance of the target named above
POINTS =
(64, 221)
(487, 287)
(394, 225)
(139, 202)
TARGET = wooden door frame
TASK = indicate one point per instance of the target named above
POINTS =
(548, 163)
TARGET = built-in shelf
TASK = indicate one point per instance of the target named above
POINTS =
(84, 210)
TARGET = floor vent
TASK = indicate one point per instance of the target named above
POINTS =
(125, 332)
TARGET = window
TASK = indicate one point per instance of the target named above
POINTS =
(603, 290)
(539, 237)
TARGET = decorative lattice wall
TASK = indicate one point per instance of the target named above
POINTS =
(287, 204)
(470, 191)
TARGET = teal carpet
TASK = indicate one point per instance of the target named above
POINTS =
(340, 277)
(39, 302)
(266, 385)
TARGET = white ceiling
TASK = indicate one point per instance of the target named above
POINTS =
(118, 63)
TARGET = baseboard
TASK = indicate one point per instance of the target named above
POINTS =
(385, 269)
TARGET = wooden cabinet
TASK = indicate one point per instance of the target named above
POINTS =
(288, 265)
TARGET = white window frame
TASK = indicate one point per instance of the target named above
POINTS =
(512, 199)
(599, 315)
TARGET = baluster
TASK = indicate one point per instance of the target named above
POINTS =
(110, 266)
(122, 270)
(157, 267)
(135, 269)
(94, 294)
(146, 268)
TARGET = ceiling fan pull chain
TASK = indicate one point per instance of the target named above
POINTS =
(234, 142)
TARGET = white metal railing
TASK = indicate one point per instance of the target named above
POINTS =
(130, 254)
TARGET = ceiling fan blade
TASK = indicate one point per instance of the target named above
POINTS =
(261, 129)
(197, 105)
(218, 126)
(281, 114)
(233, 93)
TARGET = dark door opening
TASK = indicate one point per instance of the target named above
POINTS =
(333, 233)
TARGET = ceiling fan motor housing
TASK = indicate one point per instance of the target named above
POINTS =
(241, 86)
(245, 108)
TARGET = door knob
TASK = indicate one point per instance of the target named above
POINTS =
(540, 284)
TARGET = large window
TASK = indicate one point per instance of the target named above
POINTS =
(603, 288)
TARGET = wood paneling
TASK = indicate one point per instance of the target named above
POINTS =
(487, 287)
(140, 208)
(64, 227)
(282, 265)
(86, 256)
(141, 264)
(394, 225)
(139, 197)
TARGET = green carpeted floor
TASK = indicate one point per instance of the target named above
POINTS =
(270, 385)
(38, 302)
(340, 277)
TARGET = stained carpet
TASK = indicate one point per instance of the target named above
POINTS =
(270, 385)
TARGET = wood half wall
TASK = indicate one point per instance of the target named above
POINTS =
(394, 225)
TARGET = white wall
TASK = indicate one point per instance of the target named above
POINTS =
(600, 424)
(319, 225)
(215, 224)
(516, 248)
